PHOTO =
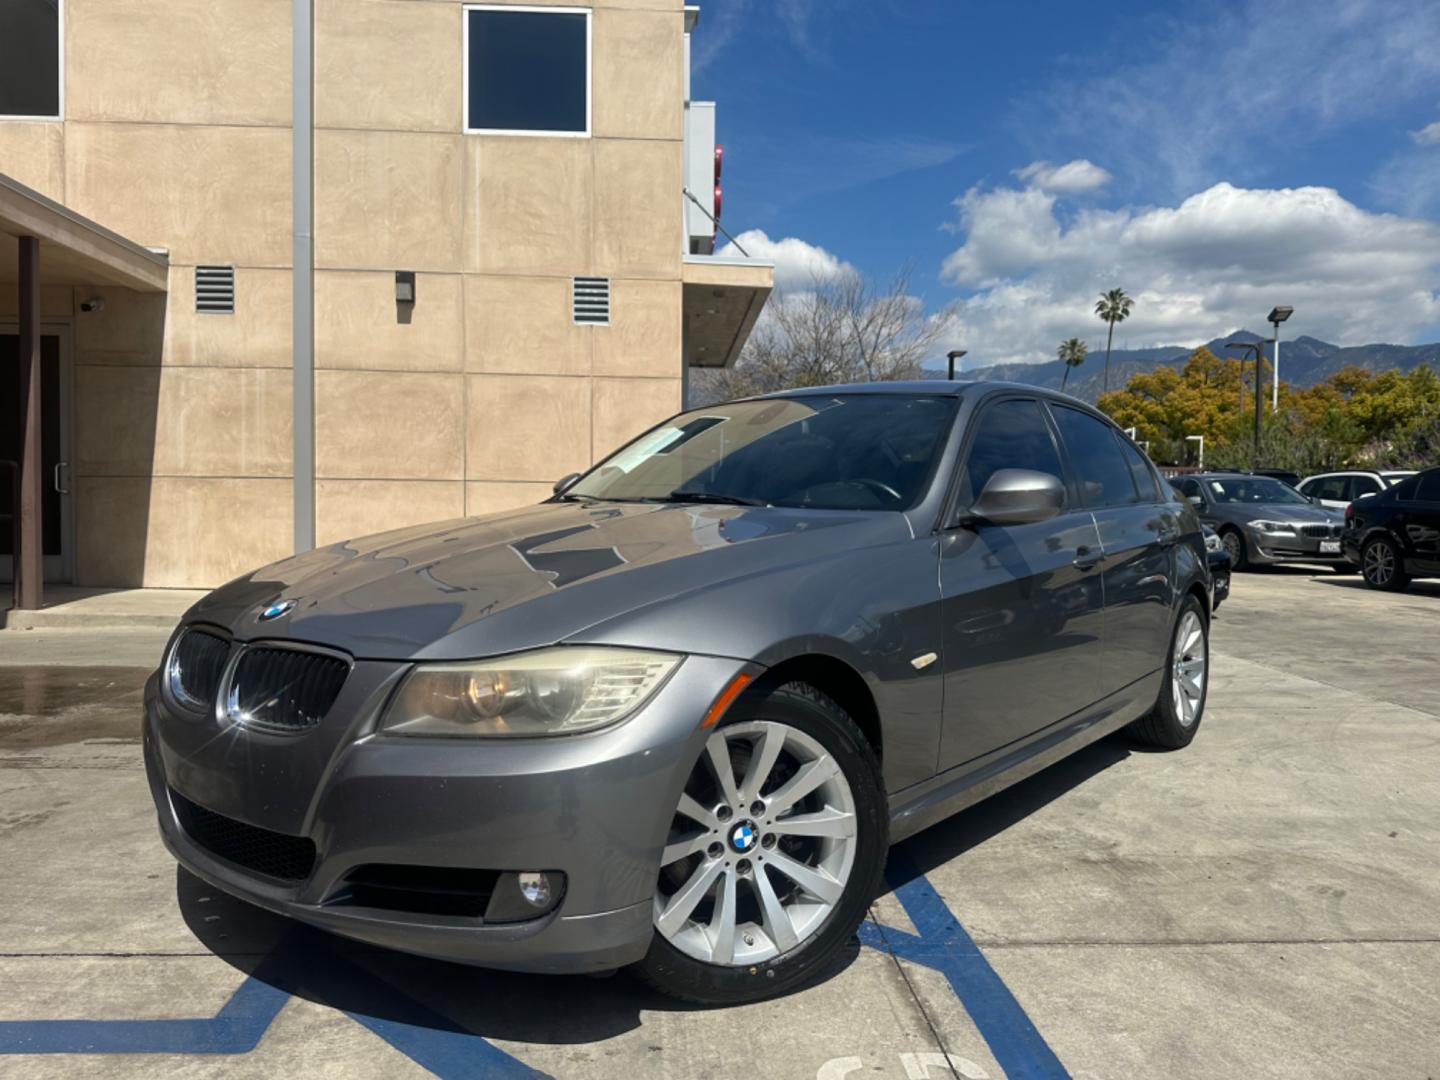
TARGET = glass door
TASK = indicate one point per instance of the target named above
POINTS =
(54, 449)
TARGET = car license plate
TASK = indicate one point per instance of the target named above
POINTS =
(1329, 547)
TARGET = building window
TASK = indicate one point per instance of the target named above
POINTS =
(30, 58)
(527, 70)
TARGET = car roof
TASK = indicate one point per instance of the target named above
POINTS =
(931, 388)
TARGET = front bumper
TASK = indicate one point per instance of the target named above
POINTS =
(1272, 548)
(596, 807)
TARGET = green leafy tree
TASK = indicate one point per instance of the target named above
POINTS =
(1073, 351)
(1113, 307)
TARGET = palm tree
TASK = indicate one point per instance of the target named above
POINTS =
(1073, 351)
(1114, 306)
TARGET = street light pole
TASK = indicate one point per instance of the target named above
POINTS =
(954, 354)
(1257, 349)
(1276, 317)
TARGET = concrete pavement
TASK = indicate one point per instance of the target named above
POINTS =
(1265, 903)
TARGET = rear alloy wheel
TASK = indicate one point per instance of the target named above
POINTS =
(774, 852)
(1380, 564)
(1235, 547)
(1176, 717)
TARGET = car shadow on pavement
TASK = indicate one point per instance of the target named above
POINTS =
(1415, 588)
(367, 981)
(968, 829)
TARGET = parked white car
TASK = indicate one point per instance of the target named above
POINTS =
(1339, 489)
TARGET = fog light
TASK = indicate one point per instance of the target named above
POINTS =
(535, 887)
(522, 895)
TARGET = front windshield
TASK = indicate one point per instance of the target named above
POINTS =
(826, 451)
(1254, 489)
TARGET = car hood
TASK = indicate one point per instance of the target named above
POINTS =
(525, 578)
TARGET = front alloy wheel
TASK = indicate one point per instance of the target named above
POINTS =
(773, 853)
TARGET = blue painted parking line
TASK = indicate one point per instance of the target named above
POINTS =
(439, 1045)
(943, 945)
(428, 1038)
(235, 1029)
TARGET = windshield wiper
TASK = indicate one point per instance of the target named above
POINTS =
(713, 497)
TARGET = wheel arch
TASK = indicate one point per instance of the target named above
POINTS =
(838, 680)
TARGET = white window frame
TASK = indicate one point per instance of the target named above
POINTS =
(60, 75)
(589, 70)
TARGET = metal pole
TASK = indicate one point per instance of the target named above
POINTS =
(1275, 393)
(1255, 454)
(303, 271)
(29, 557)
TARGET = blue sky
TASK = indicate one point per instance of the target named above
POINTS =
(1213, 159)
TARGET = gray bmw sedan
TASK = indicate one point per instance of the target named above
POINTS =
(674, 716)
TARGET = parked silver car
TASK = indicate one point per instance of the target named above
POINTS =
(675, 715)
(1262, 521)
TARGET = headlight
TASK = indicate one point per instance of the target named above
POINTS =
(1213, 542)
(556, 691)
(1280, 528)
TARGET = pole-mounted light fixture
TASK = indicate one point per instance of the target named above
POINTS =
(1276, 317)
(953, 355)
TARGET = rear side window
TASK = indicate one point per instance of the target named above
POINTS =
(1327, 487)
(1096, 459)
(1429, 487)
(1009, 435)
(1140, 471)
(1362, 485)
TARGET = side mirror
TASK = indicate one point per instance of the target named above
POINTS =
(565, 483)
(1019, 497)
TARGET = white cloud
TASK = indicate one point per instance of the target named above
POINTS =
(1429, 135)
(1218, 260)
(798, 265)
(1072, 178)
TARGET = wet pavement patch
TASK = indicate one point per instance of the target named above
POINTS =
(61, 706)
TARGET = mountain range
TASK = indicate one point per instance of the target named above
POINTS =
(1304, 361)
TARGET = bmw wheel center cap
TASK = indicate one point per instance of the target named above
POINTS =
(744, 837)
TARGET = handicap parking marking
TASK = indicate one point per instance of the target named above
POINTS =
(428, 1038)
(439, 1045)
(941, 944)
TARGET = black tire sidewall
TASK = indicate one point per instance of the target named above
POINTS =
(1167, 730)
(811, 712)
(1398, 579)
(1237, 561)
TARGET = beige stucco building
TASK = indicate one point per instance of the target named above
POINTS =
(171, 427)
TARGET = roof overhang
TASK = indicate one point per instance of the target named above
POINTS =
(73, 250)
(723, 298)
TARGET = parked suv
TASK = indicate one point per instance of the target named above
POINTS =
(675, 715)
(1395, 536)
(1338, 490)
(1262, 521)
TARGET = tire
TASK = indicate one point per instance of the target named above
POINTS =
(1176, 717)
(1382, 567)
(689, 958)
(1235, 545)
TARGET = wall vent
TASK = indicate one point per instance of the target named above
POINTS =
(590, 300)
(215, 289)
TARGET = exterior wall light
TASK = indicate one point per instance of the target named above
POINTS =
(405, 286)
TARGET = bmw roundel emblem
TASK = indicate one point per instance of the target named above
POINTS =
(275, 610)
(744, 836)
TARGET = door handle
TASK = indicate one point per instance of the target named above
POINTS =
(56, 478)
(1087, 558)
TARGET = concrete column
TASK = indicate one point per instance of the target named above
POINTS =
(29, 565)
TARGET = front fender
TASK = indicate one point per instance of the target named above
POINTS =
(876, 610)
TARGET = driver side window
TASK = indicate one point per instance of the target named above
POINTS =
(1008, 435)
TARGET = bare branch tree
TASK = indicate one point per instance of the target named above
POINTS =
(840, 330)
